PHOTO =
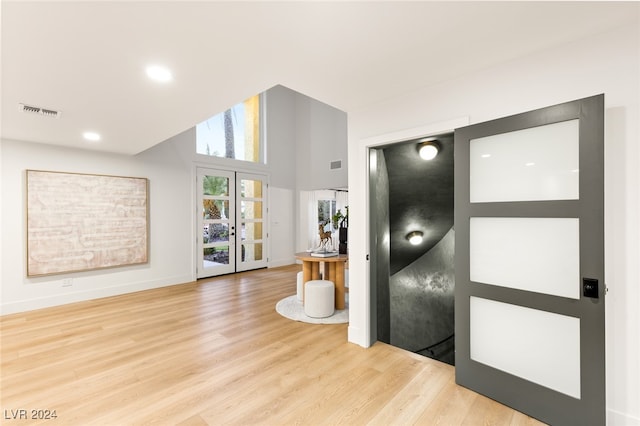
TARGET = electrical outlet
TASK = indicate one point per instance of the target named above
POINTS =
(67, 282)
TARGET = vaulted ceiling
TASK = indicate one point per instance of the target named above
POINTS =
(87, 59)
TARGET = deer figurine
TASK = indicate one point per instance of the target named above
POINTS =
(325, 236)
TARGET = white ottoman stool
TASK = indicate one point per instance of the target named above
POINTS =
(319, 298)
(299, 289)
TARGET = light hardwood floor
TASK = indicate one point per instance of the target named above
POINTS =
(215, 352)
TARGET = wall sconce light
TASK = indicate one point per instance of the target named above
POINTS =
(415, 237)
(428, 149)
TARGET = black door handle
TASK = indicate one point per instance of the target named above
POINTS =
(590, 288)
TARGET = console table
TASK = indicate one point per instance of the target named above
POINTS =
(333, 271)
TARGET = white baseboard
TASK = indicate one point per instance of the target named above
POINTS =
(355, 335)
(282, 262)
(81, 296)
(616, 418)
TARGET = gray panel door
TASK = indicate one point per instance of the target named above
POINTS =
(529, 298)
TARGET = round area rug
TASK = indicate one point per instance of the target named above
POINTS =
(290, 307)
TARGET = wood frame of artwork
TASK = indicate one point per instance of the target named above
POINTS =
(80, 222)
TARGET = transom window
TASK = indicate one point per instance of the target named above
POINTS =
(234, 133)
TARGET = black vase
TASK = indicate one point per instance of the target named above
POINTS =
(342, 237)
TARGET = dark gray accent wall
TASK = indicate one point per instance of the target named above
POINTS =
(422, 302)
(414, 284)
(379, 185)
(420, 198)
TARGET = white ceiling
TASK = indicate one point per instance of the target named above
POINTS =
(87, 59)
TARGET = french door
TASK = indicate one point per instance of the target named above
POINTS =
(251, 208)
(231, 225)
(529, 261)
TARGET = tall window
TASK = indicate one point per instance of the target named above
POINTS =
(234, 133)
(326, 210)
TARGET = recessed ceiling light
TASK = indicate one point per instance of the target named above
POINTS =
(91, 136)
(159, 73)
(414, 237)
(428, 150)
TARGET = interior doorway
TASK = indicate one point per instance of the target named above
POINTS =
(414, 197)
(529, 260)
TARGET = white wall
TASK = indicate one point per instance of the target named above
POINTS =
(281, 136)
(306, 134)
(321, 137)
(609, 64)
(170, 230)
(282, 228)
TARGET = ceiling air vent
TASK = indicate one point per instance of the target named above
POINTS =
(38, 110)
(335, 165)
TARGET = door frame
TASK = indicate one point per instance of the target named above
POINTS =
(360, 329)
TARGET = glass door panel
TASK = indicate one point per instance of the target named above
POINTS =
(539, 346)
(215, 209)
(251, 231)
(216, 232)
(509, 252)
(251, 210)
(538, 163)
(252, 252)
(215, 185)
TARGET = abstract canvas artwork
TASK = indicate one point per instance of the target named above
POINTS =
(78, 222)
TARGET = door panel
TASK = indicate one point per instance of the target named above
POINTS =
(524, 157)
(536, 345)
(529, 230)
(252, 208)
(216, 223)
(508, 252)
